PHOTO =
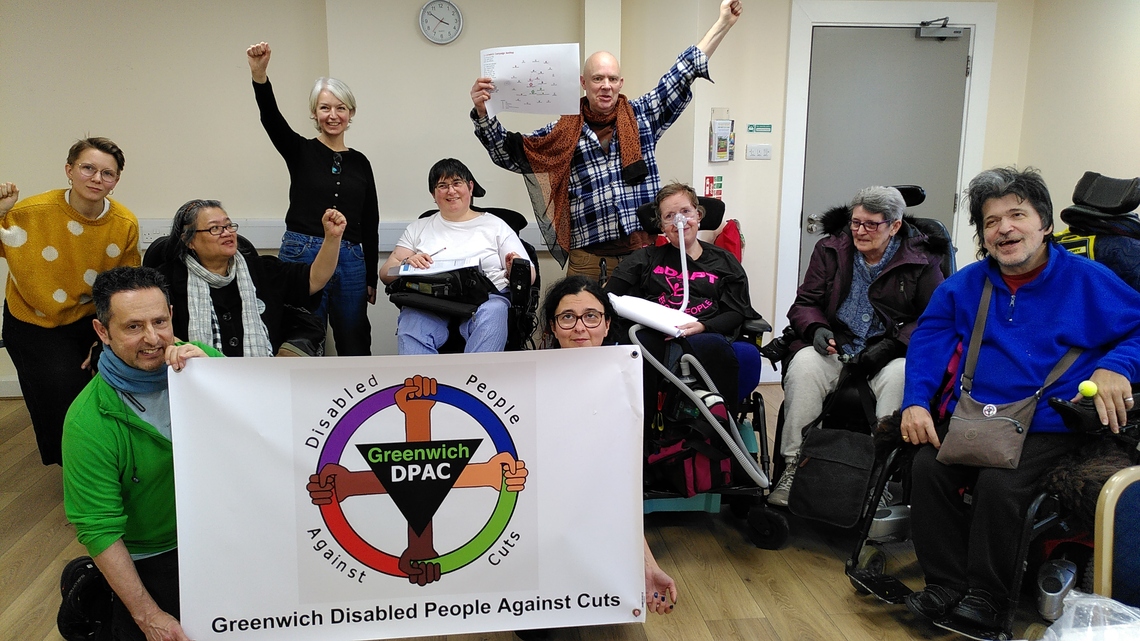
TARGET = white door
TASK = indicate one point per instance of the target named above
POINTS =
(884, 108)
(806, 16)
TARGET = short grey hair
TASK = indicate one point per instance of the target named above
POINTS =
(337, 88)
(887, 201)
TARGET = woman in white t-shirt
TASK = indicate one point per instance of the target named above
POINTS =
(456, 233)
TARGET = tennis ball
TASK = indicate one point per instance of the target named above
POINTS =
(1087, 389)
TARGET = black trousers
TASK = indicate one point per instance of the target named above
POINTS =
(159, 576)
(47, 363)
(963, 546)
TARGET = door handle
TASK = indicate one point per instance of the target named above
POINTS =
(814, 224)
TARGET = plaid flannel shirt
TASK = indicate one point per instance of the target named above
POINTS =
(603, 206)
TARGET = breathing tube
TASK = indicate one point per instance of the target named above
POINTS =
(732, 440)
(679, 221)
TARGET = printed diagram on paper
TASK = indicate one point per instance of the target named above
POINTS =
(536, 79)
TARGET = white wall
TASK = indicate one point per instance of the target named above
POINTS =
(169, 83)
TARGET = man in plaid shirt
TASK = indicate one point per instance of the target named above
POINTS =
(589, 172)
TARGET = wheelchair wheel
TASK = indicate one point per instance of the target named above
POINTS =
(740, 506)
(768, 530)
(871, 559)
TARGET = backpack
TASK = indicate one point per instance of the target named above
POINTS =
(85, 613)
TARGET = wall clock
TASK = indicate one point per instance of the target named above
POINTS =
(441, 21)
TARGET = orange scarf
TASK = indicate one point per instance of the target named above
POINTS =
(550, 156)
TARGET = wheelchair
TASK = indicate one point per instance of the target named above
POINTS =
(851, 406)
(522, 315)
(1051, 527)
(735, 430)
(1103, 224)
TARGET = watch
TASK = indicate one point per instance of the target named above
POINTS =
(441, 21)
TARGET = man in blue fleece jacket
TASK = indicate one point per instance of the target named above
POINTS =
(1045, 301)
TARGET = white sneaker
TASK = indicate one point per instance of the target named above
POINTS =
(779, 496)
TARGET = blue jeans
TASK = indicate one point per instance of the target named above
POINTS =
(344, 302)
(422, 332)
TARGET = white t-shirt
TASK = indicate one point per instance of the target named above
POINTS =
(486, 237)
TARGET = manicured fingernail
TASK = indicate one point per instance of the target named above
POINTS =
(655, 595)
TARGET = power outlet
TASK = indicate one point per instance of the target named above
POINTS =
(758, 151)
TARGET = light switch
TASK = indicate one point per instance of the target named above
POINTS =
(758, 151)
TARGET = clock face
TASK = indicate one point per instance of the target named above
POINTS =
(441, 21)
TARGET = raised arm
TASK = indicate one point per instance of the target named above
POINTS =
(324, 264)
(116, 565)
(730, 11)
(258, 57)
(9, 194)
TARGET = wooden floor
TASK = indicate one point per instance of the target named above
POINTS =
(729, 588)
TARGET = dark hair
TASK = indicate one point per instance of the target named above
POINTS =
(185, 225)
(672, 189)
(448, 168)
(123, 279)
(568, 287)
(104, 145)
(1027, 185)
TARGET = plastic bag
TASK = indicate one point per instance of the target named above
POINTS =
(1090, 617)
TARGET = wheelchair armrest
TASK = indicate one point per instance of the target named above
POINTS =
(518, 282)
(755, 326)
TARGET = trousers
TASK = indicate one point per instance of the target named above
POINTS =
(47, 361)
(811, 377)
(345, 299)
(962, 546)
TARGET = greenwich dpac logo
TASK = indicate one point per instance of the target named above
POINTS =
(417, 473)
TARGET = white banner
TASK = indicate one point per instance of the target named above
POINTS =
(381, 497)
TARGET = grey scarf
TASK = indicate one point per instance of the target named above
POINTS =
(203, 326)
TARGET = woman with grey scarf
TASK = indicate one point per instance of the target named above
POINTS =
(224, 293)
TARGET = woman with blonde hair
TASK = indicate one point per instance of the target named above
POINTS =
(326, 174)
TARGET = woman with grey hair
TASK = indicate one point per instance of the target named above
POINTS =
(325, 174)
(224, 294)
(866, 284)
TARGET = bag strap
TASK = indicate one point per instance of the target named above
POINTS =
(976, 336)
(1060, 368)
(976, 343)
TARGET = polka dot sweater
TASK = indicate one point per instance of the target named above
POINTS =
(54, 254)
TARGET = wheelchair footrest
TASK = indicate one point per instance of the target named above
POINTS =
(883, 586)
(971, 631)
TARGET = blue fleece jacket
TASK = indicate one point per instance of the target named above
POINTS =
(1073, 302)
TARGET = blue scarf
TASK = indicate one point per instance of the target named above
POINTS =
(125, 378)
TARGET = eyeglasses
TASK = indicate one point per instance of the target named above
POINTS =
(591, 318)
(456, 184)
(108, 175)
(870, 225)
(218, 230)
(336, 162)
(689, 214)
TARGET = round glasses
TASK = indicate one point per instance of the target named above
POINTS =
(591, 318)
(689, 214)
(108, 175)
(218, 230)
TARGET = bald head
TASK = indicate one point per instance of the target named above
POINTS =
(602, 81)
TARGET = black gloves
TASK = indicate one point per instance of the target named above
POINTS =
(878, 354)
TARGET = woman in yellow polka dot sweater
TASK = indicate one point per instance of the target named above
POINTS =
(55, 244)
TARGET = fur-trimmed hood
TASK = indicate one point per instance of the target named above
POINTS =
(835, 222)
